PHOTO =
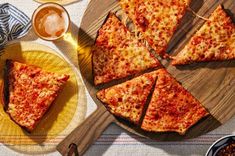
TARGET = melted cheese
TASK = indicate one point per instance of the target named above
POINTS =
(31, 92)
(157, 20)
(117, 53)
(172, 108)
(127, 100)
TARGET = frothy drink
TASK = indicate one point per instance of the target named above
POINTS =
(50, 21)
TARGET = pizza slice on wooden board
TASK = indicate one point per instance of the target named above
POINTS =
(127, 99)
(29, 92)
(157, 20)
(214, 41)
(172, 108)
(117, 53)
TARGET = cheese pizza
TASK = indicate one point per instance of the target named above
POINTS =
(127, 100)
(172, 108)
(157, 20)
(214, 41)
(117, 53)
(29, 92)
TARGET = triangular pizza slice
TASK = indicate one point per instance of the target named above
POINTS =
(117, 53)
(157, 20)
(29, 92)
(214, 41)
(127, 99)
(172, 108)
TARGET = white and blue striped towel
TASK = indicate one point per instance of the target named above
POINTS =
(13, 23)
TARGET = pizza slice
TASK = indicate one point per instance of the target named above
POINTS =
(29, 92)
(157, 20)
(127, 100)
(214, 41)
(117, 53)
(172, 108)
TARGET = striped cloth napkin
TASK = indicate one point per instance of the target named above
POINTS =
(13, 23)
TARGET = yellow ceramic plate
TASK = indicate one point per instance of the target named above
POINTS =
(66, 113)
(62, 2)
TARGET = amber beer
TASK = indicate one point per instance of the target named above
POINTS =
(50, 21)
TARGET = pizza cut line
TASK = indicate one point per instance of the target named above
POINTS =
(171, 109)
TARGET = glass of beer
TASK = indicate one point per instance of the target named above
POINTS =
(50, 21)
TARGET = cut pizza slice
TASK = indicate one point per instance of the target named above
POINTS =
(172, 108)
(29, 92)
(157, 20)
(117, 53)
(214, 41)
(127, 100)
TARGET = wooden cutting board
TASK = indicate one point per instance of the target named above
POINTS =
(213, 84)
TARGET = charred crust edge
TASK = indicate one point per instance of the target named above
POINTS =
(7, 68)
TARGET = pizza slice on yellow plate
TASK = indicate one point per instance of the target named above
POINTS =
(172, 108)
(117, 53)
(127, 100)
(29, 92)
(214, 41)
(157, 20)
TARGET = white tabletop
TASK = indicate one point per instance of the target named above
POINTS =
(116, 141)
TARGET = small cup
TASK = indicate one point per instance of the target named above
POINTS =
(50, 21)
(220, 144)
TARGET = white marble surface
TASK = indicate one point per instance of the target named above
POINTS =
(116, 141)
